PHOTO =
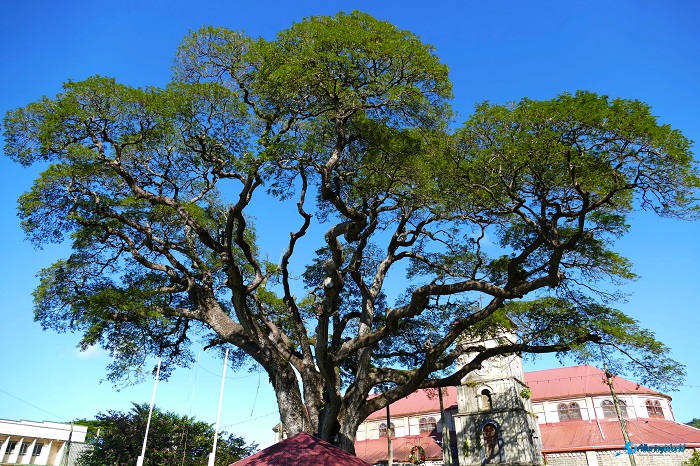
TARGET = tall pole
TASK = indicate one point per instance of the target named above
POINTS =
(625, 435)
(390, 453)
(212, 455)
(446, 448)
(66, 452)
(139, 461)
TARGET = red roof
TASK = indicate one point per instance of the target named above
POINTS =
(375, 450)
(301, 450)
(567, 382)
(420, 401)
(587, 435)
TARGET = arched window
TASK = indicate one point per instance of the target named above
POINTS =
(486, 400)
(563, 411)
(383, 429)
(427, 424)
(569, 412)
(492, 444)
(654, 409)
(609, 409)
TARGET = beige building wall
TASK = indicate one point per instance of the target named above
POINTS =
(39, 443)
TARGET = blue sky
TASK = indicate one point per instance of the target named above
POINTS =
(500, 51)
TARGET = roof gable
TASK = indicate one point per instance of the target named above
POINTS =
(301, 450)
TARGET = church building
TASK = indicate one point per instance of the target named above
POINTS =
(558, 417)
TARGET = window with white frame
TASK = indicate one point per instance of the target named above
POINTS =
(654, 409)
(609, 409)
(37, 449)
(383, 430)
(23, 448)
(569, 412)
(427, 424)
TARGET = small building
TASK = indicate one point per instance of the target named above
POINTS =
(40, 443)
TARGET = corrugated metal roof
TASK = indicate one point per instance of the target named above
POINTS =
(301, 450)
(606, 434)
(567, 382)
(420, 401)
(375, 450)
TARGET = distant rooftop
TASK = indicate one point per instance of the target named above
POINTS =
(586, 380)
(375, 450)
(420, 401)
(607, 434)
(301, 450)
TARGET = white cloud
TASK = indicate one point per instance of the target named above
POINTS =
(92, 352)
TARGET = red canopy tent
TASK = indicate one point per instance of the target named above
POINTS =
(301, 450)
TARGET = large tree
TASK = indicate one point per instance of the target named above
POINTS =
(172, 439)
(414, 218)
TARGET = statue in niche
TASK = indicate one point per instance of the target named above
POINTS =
(492, 451)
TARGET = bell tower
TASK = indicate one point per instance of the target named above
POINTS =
(495, 423)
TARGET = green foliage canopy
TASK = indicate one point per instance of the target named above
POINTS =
(694, 459)
(172, 439)
(157, 191)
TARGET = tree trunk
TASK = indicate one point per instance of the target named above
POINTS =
(318, 413)
(350, 421)
(328, 424)
(291, 406)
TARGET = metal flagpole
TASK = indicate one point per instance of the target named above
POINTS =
(390, 450)
(212, 455)
(139, 461)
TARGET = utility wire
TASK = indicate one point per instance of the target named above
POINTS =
(256, 396)
(34, 406)
(251, 419)
(219, 375)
